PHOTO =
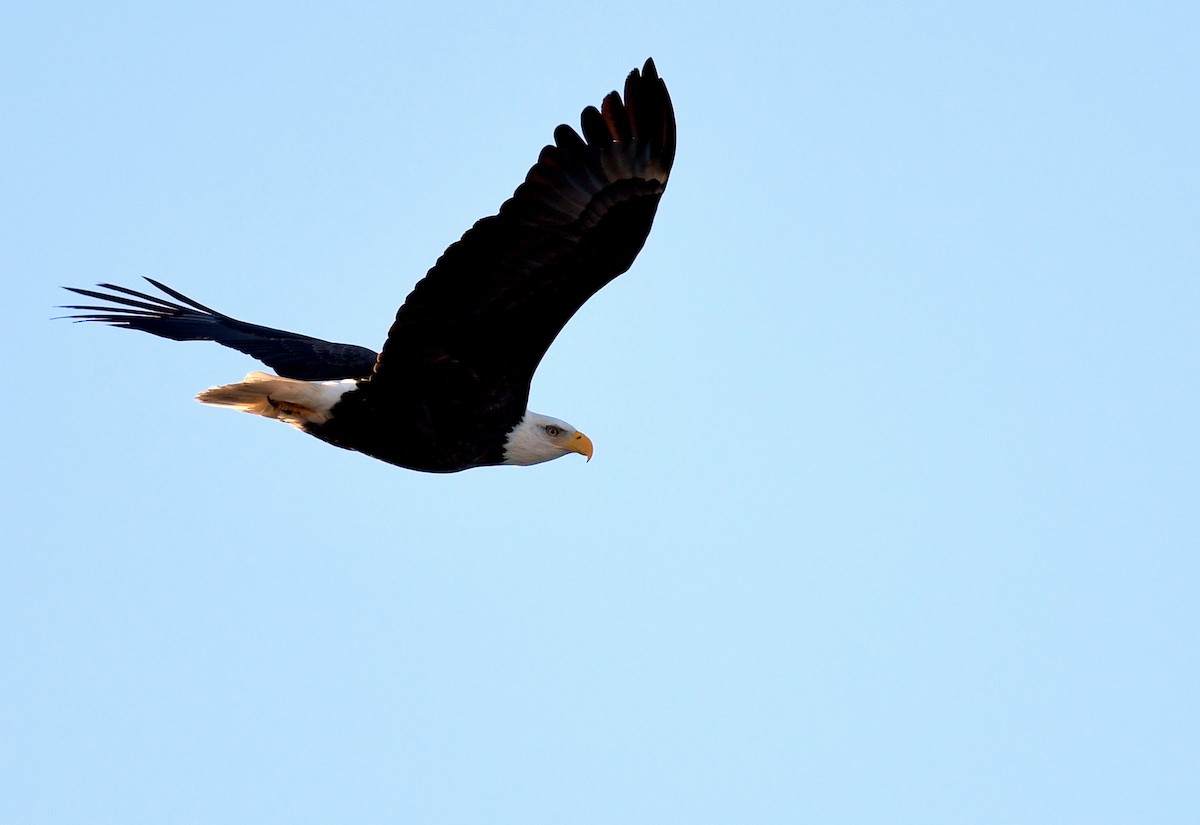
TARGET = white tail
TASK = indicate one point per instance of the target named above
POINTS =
(287, 399)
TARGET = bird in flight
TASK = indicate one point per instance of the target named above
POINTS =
(450, 387)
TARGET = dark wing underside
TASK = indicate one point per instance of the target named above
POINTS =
(291, 355)
(488, 310)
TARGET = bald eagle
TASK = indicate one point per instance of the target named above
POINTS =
(450, 387)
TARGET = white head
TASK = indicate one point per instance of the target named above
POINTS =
(540, 438)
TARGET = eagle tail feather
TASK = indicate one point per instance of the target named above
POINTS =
(290, 400)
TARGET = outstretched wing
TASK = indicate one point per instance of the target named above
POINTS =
(493, 303)
(289, 354)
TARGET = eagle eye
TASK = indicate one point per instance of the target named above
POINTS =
(553, 431)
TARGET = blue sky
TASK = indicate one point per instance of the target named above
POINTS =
(893, 515)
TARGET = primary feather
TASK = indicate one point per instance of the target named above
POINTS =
(288, 353)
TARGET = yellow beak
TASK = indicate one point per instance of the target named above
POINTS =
(581, 444)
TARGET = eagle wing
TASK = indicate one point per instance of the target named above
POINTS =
(488, 310)
(290, 354)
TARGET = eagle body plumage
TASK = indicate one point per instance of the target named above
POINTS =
(449, 389)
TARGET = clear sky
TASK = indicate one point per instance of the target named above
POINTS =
(894, 510)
